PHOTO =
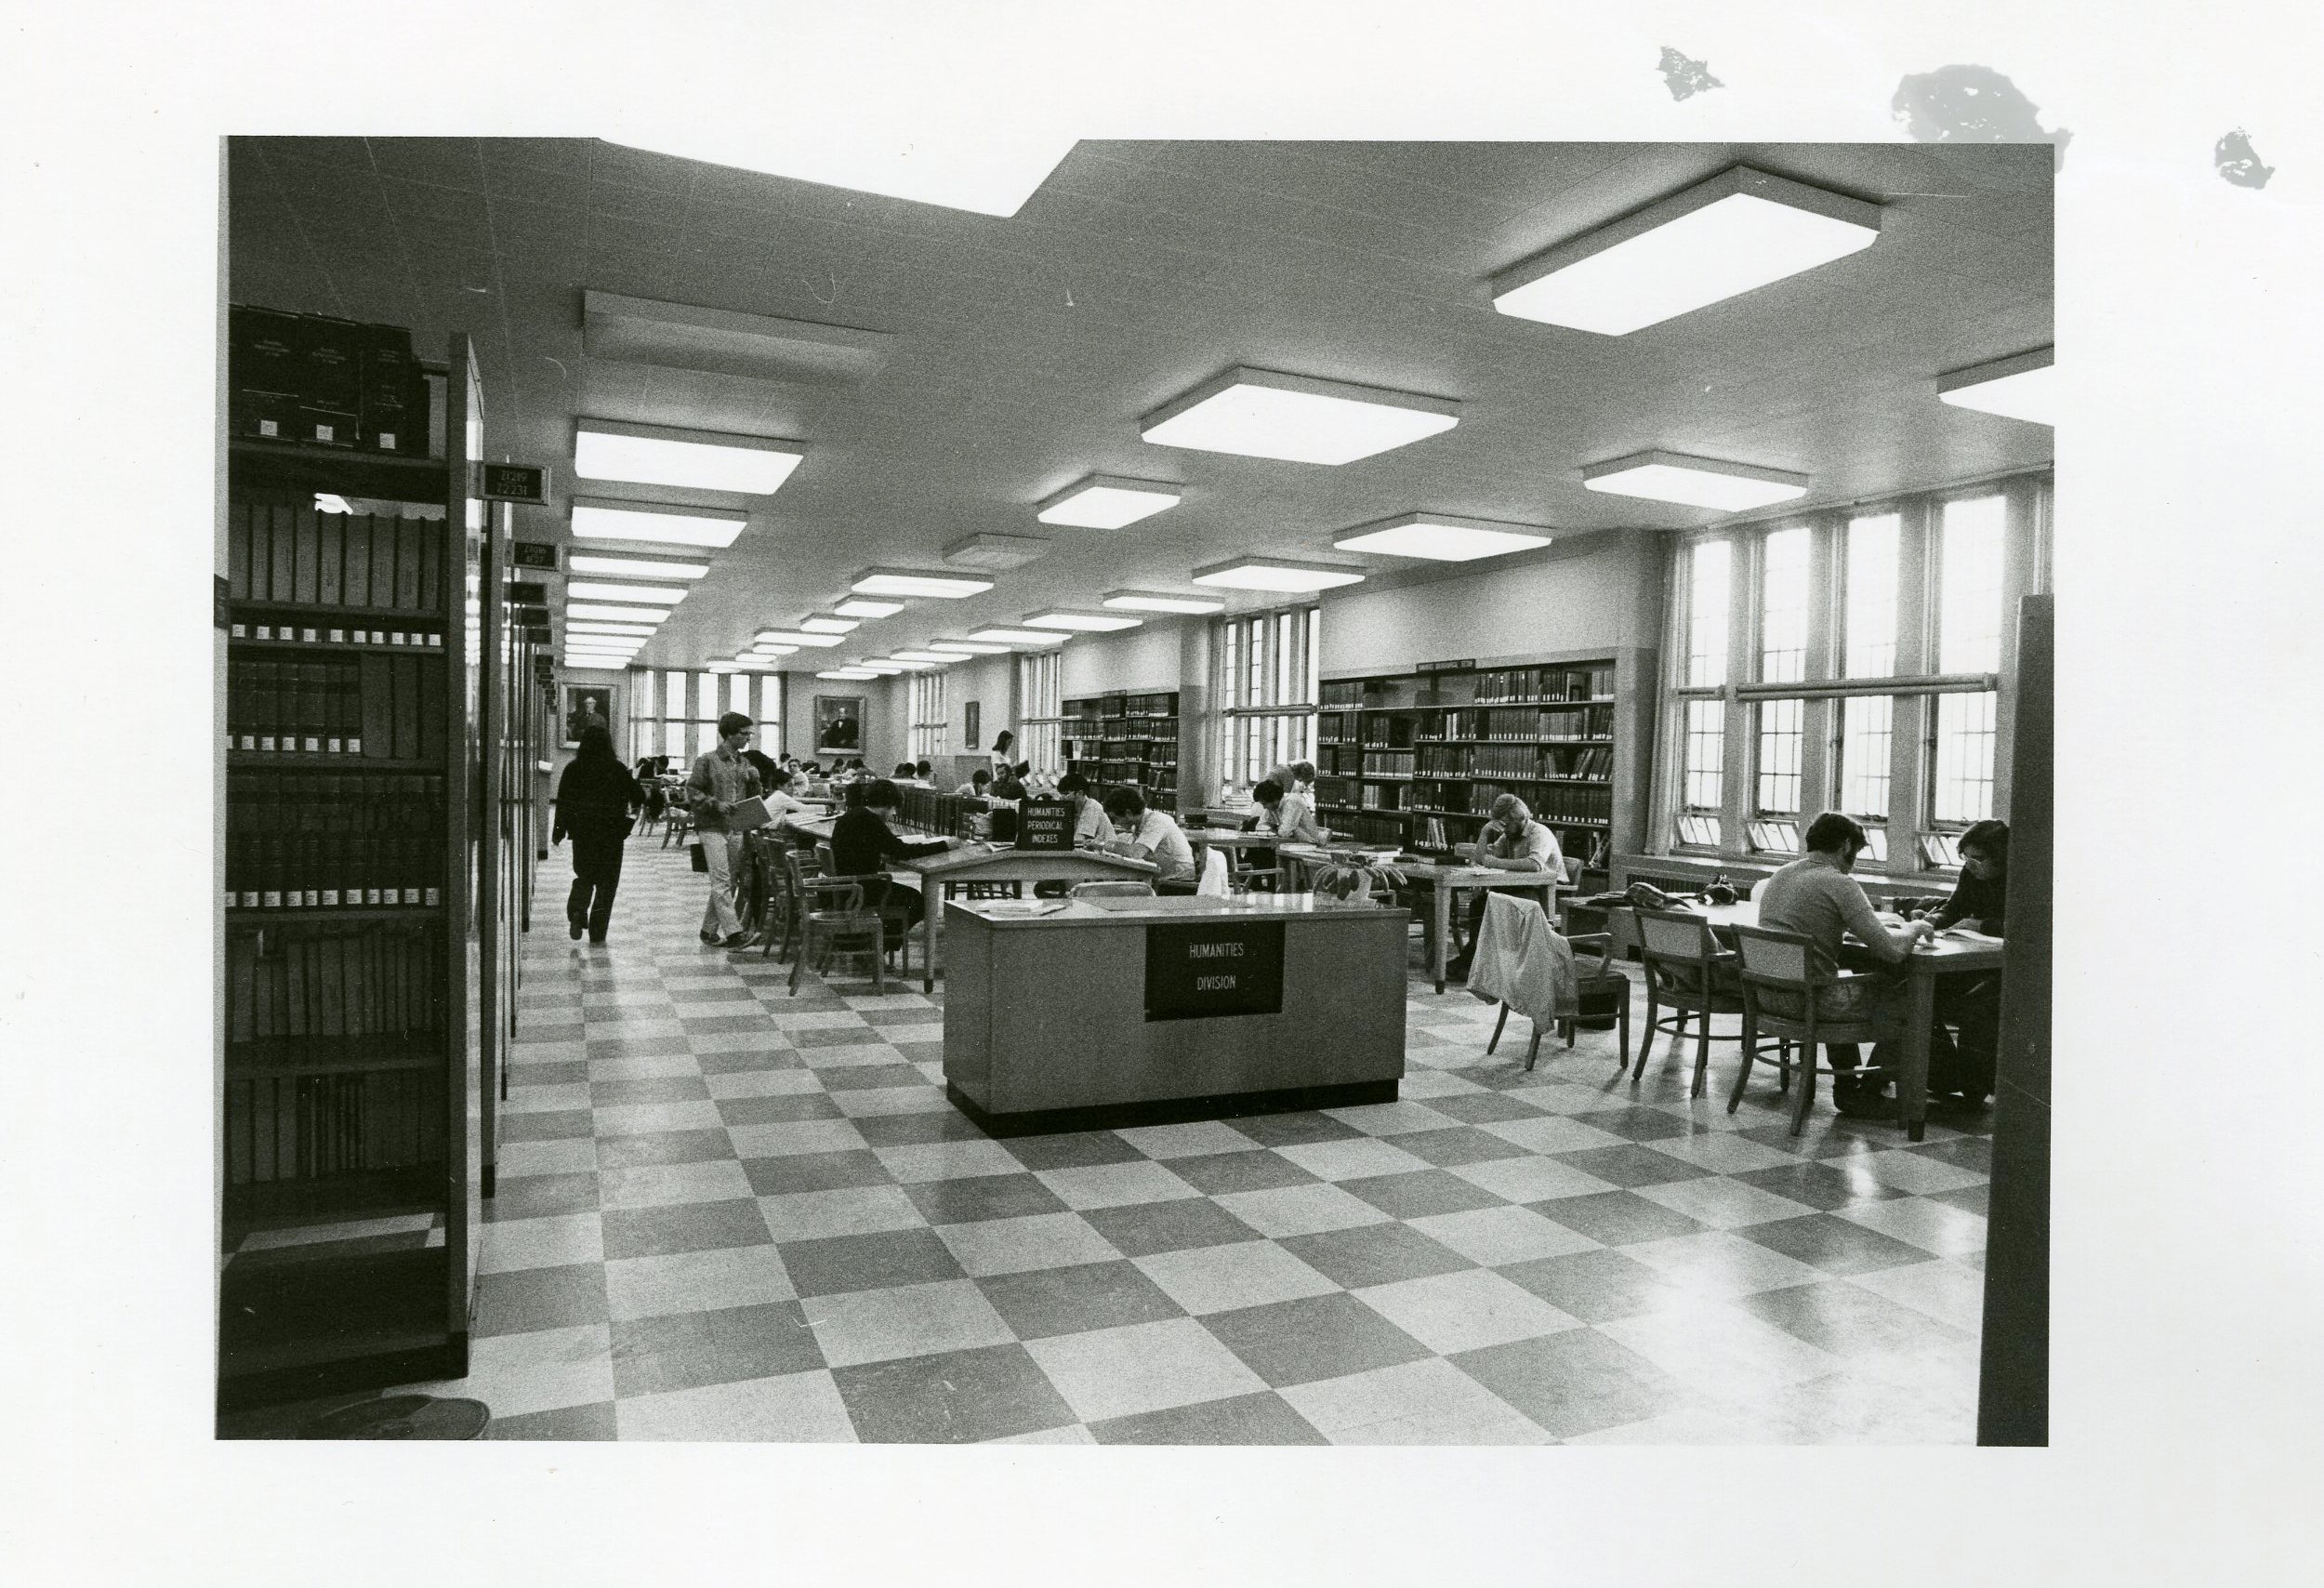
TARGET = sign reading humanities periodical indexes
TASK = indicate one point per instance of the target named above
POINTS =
(1046, 825)
(1199, 969)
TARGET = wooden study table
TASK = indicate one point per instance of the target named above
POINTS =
(1445, 883)
(1943, 956)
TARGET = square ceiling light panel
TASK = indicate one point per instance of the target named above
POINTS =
(988, 168)
(935, 656)
(599, 626)
(768, 650)
(1107, 501)
(634, 568)
(858, 675)
(616, 613)
(1695, 481)
(1158, 601)
(1013, 636)
(995, 553)
(954, 654)
(1719, 239)
(698, 460)
(878, 669)
(867, 606)
(587, 589)
(969, 647)
(652, 521)
(1080, 622)
(1258, 413)
(908, 664)
(1440, 537)
(2020, 386)
(798, 637)
(1285, 574)
(934, 583)
(829, 623)
(728, 341)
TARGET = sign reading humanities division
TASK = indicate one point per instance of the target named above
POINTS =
(1046, 825)
(1199, 970)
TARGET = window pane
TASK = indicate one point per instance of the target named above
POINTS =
(1963, 789)
(1969, 609)
(1871, 619)
(1706, 752)
(674, 694)
(1865, 721)
(706, 736)
(1782, 726)
(1783, 607)
(1315, 653)
(771, 708)
(738, 693)
(1707, 610)
(706, 706)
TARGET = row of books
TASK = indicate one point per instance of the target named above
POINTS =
(1376, 829)
(293, 1128)
(1388, 763)
(335, 979)
(1552, 722)
(334, 840)
(379, 706)
(325, 381)
(1344, 759)
(305, 557)
(1389, 733)
(257, 634)
(1552, 802)
(1383, 796)
(1525, 686)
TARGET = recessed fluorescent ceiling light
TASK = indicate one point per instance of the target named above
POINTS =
(639, 520)
(591, 625)
(858, 674)
(2020, 386)
(1080, 622)
(1018, 636)
(865, 606)
(968, 647)
(642, 567)
(923, 657)
(617, 614)
(908, 664)
(826, 623)
(1105, 501)
(1276, 574)
(879, 669)
(1260, 413)
(950, 655)
(701, 460)
(1440, 537)
(593, 664)
(771, 651)
(991, 172)
(752, 664)
(1696, 481)
(1146, 601)
(587, 589)
(914, 582)
(1740, 229)
(797, 636)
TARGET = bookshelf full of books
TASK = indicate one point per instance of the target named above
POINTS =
(1118, 739)
(1418, 759)
(350, 730)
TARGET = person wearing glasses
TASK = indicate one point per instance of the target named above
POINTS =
(720, 780)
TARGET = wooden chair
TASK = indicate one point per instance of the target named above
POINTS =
(1111, 891)
(1781, 987)
(1242, 877)
(678, 824)
(1602, 992)
(773, 884)
(892, 912)
(831, 914)
(1687, 972)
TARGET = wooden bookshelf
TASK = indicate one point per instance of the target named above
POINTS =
(1416, 760)
(1118, 739)
(351, 919)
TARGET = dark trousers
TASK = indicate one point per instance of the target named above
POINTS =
(596, 878)
(888, 894)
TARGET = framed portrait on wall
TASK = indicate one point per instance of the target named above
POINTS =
(586, 703)
(971, 721)
(840, 723)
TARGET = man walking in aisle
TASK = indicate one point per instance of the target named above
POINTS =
(721, 780)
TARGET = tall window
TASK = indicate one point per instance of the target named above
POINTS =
(1969, 612)
(1783, 607)
(1039, 708)
(928, 714)
(1963, 791)
(1706, 613)
(1865, 724)
(1782, 729)
(1265, 681)
(678, 713)
(1870, 618)
(1706, 771)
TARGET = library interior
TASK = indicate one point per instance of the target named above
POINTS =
(1029, 811)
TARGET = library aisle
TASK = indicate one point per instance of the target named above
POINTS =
(727, 1213)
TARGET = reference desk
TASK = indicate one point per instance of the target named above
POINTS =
(1107, 1011)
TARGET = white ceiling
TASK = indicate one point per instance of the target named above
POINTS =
(1024, 350)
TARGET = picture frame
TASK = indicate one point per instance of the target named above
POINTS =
(840, 724)
(971, 724)
(578, 701)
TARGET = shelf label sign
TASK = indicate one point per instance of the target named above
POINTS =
(1045, 826)
(1462, 666)
(1203, 969)
(522, 482)
(532, 554)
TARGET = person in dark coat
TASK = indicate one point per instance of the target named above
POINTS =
(863, 843)
(594, 797)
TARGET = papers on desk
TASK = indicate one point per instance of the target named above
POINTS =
(1978, 939)
(1018, 910)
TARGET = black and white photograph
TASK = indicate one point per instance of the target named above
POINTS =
(1459, 769)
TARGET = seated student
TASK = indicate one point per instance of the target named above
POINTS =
(979, 781)
(1815, 897)
(1151, 835)
(1290, 816)
(1511, 841)
(1040, 785)
(1005, 785)
(862, 841)
(904, 773)
(788, 797)
(925, 772)
(1090, 827)
(1973, 1004)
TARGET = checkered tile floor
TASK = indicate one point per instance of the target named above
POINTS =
(727, 1213)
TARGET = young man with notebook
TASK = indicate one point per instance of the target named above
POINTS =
(722, 779)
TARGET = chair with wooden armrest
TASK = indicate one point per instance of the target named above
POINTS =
(831, 914)
(1788, 994)
(1691, 976)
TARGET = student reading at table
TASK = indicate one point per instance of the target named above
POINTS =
(1815, 897)
(1289, 814)
(786, 796)
(1511, 841)
(862, 842)
(979, 781)
(1975, 1003)
(1090, 827)
(1151, 835)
